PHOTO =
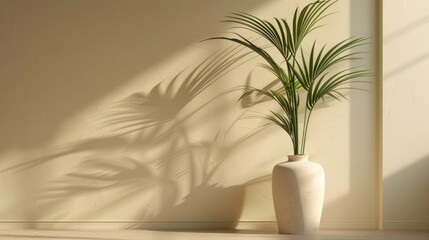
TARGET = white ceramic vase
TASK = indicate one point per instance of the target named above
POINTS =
(298, 193)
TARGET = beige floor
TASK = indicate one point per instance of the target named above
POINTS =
(172, 235)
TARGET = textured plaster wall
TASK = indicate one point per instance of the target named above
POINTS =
(114, 111)
(405, 114)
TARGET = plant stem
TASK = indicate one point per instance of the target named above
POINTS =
(305, 129)
(295, 105)
(303, 132)
(294, 117)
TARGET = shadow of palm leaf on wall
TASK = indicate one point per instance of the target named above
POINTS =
(164, 104)
(142, 111)
(150, 166)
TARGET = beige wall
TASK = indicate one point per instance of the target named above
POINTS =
(111, 117)
(405, 114)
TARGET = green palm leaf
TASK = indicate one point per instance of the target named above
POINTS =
(298, 70)
(283, 122)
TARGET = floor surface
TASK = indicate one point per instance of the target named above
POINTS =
(235, 235)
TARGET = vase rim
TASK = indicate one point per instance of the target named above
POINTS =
(297, 157)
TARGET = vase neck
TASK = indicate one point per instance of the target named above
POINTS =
(296, 158)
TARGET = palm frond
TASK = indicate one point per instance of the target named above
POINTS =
(276, 36)
(281, 100)
(312, 71)
(282, 122)
(330, 87)
(261, 52)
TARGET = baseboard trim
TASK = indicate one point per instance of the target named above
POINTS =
(115, 225)
(348, 224)
(272, 225)
(173, 225)
(405, 226)
(196, 225)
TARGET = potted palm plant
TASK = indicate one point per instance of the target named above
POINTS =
(312, 74)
